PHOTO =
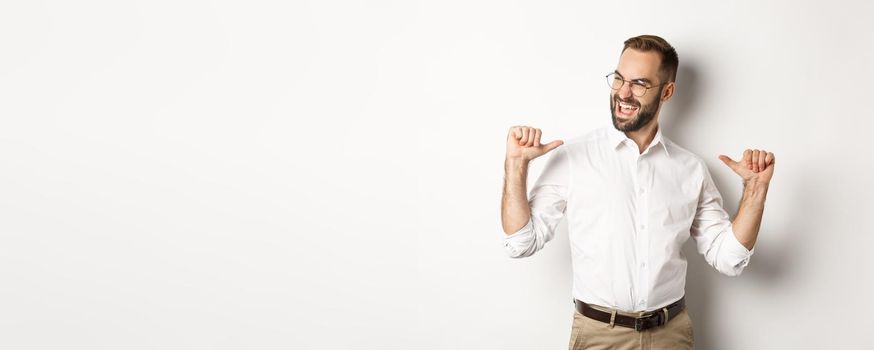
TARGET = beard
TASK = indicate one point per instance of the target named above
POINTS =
(645, 112)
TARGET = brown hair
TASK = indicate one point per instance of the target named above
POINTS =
(647, 43)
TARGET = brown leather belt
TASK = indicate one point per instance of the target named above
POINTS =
(648, 320)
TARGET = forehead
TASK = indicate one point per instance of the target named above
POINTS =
(634, 64)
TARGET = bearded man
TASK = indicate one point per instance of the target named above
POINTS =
(632, 199)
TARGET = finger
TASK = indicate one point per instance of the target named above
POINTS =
(524, 138)
(755, 160)
(748, 154)
(769, 159)
(729, 162)
(537, 133)
(532, 133)
(762, 160)
(552, 145)
(516, 132)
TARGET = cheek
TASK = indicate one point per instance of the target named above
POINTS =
(651, 103)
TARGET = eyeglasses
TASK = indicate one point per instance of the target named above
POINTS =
(638, 88)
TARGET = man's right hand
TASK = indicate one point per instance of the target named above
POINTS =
(523, 144)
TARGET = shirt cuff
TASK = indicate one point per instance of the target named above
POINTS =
(734, 248)
(522, 231)
(520, 242)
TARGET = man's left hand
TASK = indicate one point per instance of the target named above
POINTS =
(757, 166)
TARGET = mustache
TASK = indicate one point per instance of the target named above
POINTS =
(629, 100)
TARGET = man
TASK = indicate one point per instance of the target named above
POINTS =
(632, 198)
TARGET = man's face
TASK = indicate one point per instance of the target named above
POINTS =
(630, 112)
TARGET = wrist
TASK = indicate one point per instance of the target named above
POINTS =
(511, 163)
(755, 184)
(755, 189)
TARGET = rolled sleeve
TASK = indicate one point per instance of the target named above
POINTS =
(731, 256)
(520, 243)
(714, 237)
(548, 201)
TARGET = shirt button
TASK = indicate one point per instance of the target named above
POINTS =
(642, 227)
(641, 191)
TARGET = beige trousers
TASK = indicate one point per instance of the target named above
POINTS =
(590, 334)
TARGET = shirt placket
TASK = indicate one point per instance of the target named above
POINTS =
(642, 175)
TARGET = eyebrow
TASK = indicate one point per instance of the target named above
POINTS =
(645, 80)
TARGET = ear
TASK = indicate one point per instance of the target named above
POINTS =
(668, 91)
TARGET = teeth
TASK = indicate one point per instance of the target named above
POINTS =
(625, 105)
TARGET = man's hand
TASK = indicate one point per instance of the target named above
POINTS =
(756, 169)
(757, 166)
(523, 143)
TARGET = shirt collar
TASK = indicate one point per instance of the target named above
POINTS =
(617, 137)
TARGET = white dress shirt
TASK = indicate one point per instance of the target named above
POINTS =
(629, 214)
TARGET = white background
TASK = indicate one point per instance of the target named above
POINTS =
(327, 174)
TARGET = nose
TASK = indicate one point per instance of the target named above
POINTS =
(624, 91)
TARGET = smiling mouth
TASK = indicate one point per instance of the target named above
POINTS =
(626, 109)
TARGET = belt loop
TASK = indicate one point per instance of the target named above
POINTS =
(667, 315)
(612, 318)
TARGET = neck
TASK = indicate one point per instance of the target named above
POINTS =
(643, 137)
